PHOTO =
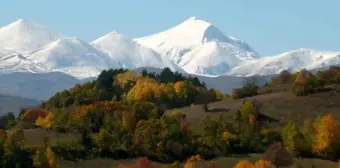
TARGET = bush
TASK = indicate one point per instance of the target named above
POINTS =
(278, 155)
(245, 91)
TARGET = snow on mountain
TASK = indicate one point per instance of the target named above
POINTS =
(25, 36)
(130, 54)
(194, 46)
(11, 61)
(200, 48)
(293, 61)
(74, 57)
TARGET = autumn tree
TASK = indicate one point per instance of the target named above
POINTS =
(186, 92)
(45, 122)
(292, 138)
(327, 137)
(14, 153)
(51, 158)
(244, 164)
(104, 140)
(285, 77)
(308, 132)
(302, 83)
(329, 76)
(263, 164)
(40, 160)
(125, 81)
(31, 115)
(197, 161)
(146, 89)
(129, 121)
(248, 119)
(44, 158)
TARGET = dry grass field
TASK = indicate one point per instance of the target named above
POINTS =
(283, 106)
(222, 162)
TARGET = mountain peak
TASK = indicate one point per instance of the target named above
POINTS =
(24, 24)
(112, 36)
(191, 32)
(194, 18)
(114, 33)
(24, 36)
(197, 46)
(21, 20)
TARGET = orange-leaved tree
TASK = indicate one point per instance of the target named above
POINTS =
(244, 164)
(257, 164)
(327, 137)
(263, 164)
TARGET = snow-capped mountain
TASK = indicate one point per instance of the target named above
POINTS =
(72, 56)
(194, 46)
(24, 36)
(293, 61)
(130, 54)
(11, 61)
(27, 46)
(200, 48)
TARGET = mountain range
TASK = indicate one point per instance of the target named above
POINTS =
(14, 104)
(194, 46)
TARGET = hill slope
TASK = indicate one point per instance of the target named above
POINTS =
(36, 86)
(14, 104)
(283, 106)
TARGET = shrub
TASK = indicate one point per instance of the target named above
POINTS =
(246, 91)
(278, 155)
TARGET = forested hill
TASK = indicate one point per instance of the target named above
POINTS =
(167, 87)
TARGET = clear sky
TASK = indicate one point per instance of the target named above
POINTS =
(269, 26)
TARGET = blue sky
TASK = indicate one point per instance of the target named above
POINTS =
(269, 26)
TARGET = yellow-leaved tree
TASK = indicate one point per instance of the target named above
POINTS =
(193, 161)
(44, 158)
(257, 164)
(263, 164)
(51, 158)
(327, 137)
(146, 89)
(45, 122)
(244, 164)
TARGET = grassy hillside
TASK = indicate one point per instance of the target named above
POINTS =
(284, 106)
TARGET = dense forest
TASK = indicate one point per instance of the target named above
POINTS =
(126, 115)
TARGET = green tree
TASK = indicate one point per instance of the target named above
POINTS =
(40, 160)
(293, 139)
(104, 140)
(15, 155)
(2, 143)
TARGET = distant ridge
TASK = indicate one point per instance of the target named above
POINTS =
(194, 46)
